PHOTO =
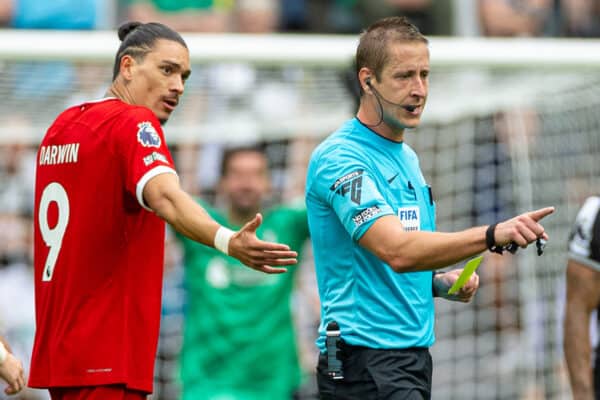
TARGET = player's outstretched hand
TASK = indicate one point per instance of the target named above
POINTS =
(444, 281)
(257, 254)
(11, 371)
(522, 229)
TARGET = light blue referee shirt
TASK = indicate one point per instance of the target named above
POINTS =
(354, 177)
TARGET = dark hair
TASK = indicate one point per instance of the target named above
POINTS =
(231, 152)
(372, 50)
(137, 40)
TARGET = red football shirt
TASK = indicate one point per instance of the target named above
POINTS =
(98, 249)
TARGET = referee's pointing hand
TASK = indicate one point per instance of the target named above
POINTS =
(522, 229)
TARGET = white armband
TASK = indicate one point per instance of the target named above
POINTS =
(3, 353)
(222, 238)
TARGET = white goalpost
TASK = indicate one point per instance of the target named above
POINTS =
(510, 125)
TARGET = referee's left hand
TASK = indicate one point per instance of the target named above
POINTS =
(444, 281)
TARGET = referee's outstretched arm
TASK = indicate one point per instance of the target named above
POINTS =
(406, 251)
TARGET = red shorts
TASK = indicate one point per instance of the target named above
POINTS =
(109, 392)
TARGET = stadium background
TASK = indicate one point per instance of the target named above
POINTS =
(512, 123)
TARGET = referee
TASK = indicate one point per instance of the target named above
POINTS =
(583, 297)
(371, 216)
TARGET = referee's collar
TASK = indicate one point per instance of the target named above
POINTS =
(379, 138)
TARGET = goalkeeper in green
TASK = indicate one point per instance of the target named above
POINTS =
(239, 339)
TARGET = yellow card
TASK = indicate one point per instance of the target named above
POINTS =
(463, 278)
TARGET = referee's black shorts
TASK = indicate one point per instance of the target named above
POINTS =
(378, 374)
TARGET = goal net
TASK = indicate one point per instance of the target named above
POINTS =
(510, 126)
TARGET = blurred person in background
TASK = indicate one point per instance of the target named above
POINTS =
(215, 16)
(535, 18)
(420, 12)
(231, 350)
(43, 14)
(184, 15)
(105, 185)
(17, 317)
(257, 16)
(583, 298)
(372, 220)
(515, 18)
(294, 15)
(349, 16)
(580, 18)
(38, 90)
(11, 369)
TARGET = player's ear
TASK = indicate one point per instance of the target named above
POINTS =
(126, 67)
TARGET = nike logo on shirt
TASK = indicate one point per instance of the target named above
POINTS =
(392, 178)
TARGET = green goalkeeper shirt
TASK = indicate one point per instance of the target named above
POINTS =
(239, 339)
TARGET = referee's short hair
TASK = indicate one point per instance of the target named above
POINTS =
(372, 50)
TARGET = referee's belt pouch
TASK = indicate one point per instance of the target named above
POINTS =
(353, 363)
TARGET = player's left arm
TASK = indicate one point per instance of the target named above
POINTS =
(443, 281)
(583, 296)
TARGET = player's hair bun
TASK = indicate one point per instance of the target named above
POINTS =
(127, 28)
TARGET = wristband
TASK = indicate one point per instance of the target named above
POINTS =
(490, 240)
(433, 291)
(3, 353)
(222, 238)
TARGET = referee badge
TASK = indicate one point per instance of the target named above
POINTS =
(410, 218)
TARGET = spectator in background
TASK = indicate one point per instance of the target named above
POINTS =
(349, 16)
(16, 178)
(44, 14)
(337, 16)
(294, 15)
(583, 297)
(514, 18)
(570, 18)
(42, 87)
(11, 370)
(248, 16)
(257, 16)
(231, 350)
(580, 18)
(420, 12)
(184, 15)
(17, 320)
